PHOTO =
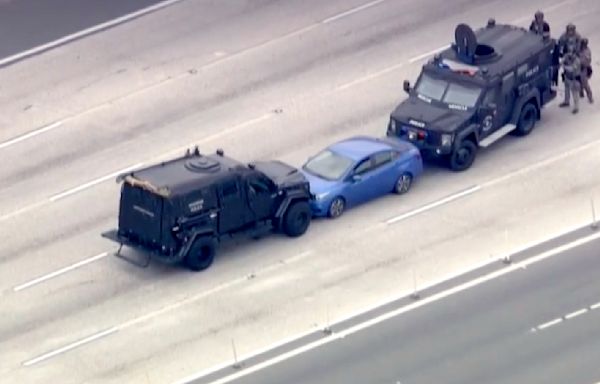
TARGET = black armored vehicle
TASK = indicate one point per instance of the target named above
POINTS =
(488, 83)
(180, 210)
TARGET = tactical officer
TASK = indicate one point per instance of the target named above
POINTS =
(585, 56)
(572, 72)
(570, 41)
(539, 26)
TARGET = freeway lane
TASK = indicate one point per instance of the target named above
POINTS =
(538, 324)
(331, 80)
(26, 24)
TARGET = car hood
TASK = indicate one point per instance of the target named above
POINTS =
(318, 185)
(437, 118)
(280, 173)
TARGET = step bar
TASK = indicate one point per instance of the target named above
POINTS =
(500, 133)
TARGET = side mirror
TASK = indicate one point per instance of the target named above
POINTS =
(406, 86)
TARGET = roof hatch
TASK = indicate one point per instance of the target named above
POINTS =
(468, 50)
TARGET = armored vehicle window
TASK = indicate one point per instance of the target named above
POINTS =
(229, 188)
(328, 165)
(259, 186)
(431, 87)
(461, 95)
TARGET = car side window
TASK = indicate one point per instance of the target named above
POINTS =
(363, 167)
(381, 159)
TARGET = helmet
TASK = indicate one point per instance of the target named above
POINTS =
(539, 15)
(571, 27)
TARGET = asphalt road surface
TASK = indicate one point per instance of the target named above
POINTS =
(25, 24)
(260, 79)
(535, 325)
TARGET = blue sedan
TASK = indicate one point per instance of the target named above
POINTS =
(356, 170)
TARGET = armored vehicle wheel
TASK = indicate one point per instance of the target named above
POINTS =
(297, 219)
(201, 254)
(336, 208)
(463, 155)
(403, 184)
(527, 119)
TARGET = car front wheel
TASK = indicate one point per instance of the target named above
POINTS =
(337, 207)
(463, 156)
(297, 219)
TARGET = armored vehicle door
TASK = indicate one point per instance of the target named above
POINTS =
(261, 194)
(497, 105)
(234, 211)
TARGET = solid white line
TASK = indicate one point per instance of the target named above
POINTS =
(352, 11)
(31, 134)
(549, 324)
(59, 272)
(595, 306)
(576, 313)
(421, 303)
(540, 164)
(71, 346)
(92, 183)
(437, 203)
(427, 54)
(23, 210)
(369, 76)
(235, 128)
(163, 310)
(88, 31)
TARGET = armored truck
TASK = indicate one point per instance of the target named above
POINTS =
(180, 210)
(490, 82)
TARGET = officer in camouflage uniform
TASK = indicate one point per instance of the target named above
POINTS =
(570, 41)
(585, 56)
(572, 76)
(539, 26)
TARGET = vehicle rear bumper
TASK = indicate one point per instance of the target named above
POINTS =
(156, 254)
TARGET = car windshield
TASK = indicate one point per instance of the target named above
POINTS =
(449, 93)
(328, 165)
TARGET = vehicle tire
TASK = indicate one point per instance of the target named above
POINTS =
(403, 183)
(463, 155)
(527, 120)
(297, 219)
(336, 208)
(201, 254)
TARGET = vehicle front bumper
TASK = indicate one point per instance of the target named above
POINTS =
(430, 145)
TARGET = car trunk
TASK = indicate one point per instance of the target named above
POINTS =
(144, 217)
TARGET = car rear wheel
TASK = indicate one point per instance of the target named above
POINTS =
(527, 120)
(403, 184)
(337, 207)
(201, 254)
(297, 219)
(463, 156)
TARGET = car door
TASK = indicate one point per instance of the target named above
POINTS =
(385, 172)
(497, 105)
(233, 213)
(260, 196)
(360, 183)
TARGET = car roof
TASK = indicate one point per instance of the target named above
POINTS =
(359, 147)
(187, 173)
(514, 46)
